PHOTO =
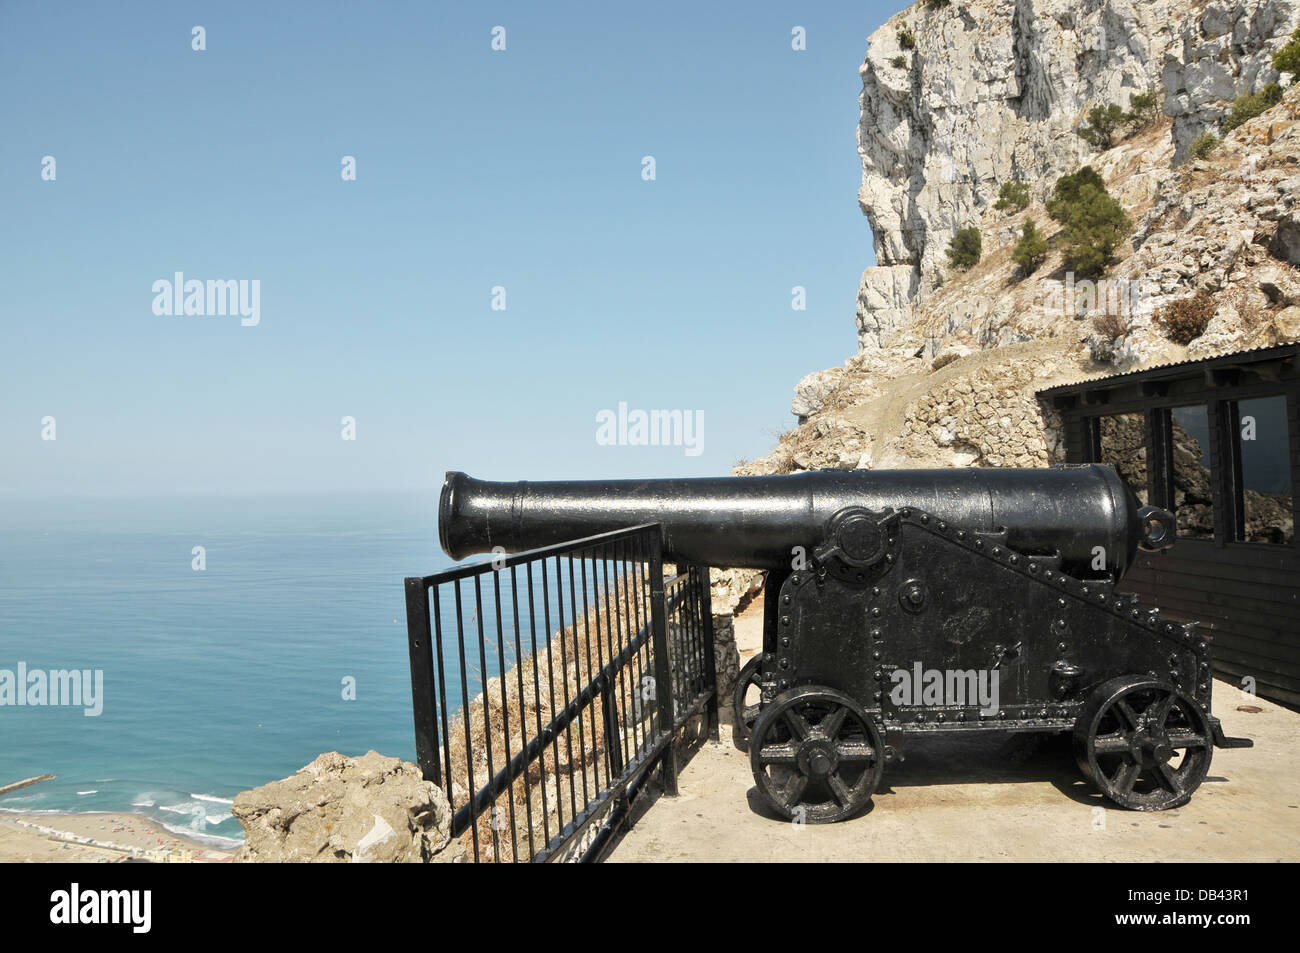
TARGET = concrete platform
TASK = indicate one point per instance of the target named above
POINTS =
(999, 798)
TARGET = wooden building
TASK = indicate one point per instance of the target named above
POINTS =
(1218, 442)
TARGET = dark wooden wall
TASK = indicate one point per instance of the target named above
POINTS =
(1246, 596)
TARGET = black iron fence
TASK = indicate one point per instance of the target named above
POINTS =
(537, 688)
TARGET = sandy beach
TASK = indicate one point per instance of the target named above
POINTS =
(97, 839)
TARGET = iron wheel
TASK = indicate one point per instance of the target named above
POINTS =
(746, 714)
(817, 756)
(1143, 743)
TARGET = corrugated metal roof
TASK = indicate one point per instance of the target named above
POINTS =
(1108, 380)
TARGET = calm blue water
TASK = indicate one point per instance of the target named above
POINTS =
(214, 681)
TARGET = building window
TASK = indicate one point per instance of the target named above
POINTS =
(1122, 442)
(1264, 443)
(1193, 494)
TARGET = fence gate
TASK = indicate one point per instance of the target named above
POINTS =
(547, 686)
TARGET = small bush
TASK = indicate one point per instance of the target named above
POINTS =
(1204, 144)
(1112, 327)
(900, 62)
(1012, 195)
(1094, 223)
(1287, 59)
(1246, 108)
(1104, 125)
(1185, 320)
(965, 248)
(1146, 109)
(906, 38)
(1031, 249)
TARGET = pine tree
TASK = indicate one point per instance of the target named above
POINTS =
(1287, 59)
(965, 248)
(1104, 124)
(1031, 249)
(1094, 223)
(1012, 195)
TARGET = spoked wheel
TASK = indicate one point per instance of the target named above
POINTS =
(1143, 743)
(744, 701)
(816, 755)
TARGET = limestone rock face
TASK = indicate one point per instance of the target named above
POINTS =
(339, 810)
(811, 392)
(947, 372)
(993, 91)
(1286, 325)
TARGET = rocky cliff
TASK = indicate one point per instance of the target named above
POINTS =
(960, 98)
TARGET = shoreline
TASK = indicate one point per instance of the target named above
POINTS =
(98, 837)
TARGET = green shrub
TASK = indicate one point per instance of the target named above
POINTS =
(1184, 321)
(900, 62)
(1069, 187)
(1093, 223)
(906, 38)
(1287, 59)
(1203, 145)
(1031, 249)
(1246, 108)
(1012, 195)
(1104, 124)
(1148, 108)
(965, 248)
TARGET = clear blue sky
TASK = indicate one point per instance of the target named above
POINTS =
(475, 168)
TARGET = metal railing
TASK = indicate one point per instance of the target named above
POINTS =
(536, 681)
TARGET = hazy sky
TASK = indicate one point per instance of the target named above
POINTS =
(475, 168)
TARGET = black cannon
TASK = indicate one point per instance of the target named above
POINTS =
(907, 603)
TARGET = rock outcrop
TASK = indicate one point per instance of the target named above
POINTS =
(340, 810)
(960, 98)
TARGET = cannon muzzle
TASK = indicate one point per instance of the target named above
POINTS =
(1086, 513)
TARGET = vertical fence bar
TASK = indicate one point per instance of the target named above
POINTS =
(710, 652)
(519, 675)
(643, 590)
(443, 710)
(537, 704)
(583, 560)
(584, 676)
(663, 670)
(550, 688)
(564, 675)
(634, 662)
(505, 714)
(613, 649)
(487, 712)
(465, 712)
(420, 643)
(690, 649)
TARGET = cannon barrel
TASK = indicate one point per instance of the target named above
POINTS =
(753, 522)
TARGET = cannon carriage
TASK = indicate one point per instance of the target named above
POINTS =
(903, 604)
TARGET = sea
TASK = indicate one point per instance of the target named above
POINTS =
(238, 637)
